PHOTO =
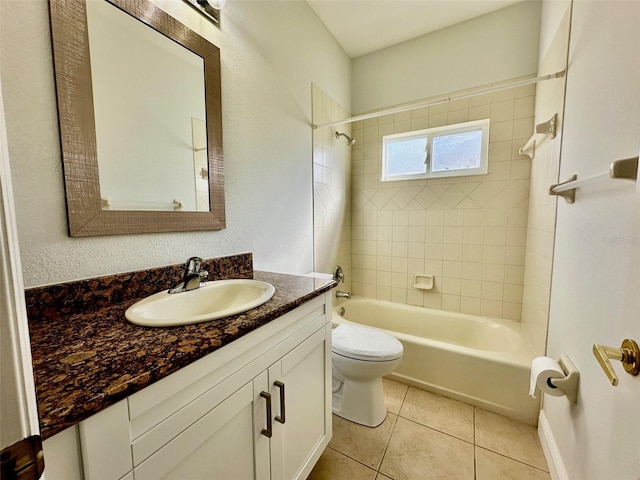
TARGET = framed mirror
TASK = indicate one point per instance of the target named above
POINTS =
(139, 105)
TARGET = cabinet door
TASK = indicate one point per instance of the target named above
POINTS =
(299, 391)
(220, 445)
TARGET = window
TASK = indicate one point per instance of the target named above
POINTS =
(452, 150)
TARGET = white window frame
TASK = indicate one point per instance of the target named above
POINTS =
(430, 134)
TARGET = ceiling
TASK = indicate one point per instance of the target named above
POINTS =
(364, 26)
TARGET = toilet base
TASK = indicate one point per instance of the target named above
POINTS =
(360, 401)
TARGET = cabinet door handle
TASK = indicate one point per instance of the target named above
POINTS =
(281, 418)
(267, 432)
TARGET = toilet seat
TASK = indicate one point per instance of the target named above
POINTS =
(362, 343)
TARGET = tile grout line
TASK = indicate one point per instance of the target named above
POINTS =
(384, 453)
(470, 442)
(475, 460)
(514, 459)
(386, 447)
(473, 442)
(354, 459)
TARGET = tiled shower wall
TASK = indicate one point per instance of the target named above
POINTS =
(469, 232)
(541, 226)
(331, 189)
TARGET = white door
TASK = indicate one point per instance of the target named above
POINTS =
(18, 410)
(625, 410)
(595, 295)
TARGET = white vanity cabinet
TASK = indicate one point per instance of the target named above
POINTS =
(258, 408)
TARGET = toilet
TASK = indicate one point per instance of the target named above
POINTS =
(361, 356)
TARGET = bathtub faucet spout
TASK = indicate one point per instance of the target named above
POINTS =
(341, 294)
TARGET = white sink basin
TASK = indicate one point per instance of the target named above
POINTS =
(214, 300)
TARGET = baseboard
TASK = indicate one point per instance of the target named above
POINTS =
(550, 448)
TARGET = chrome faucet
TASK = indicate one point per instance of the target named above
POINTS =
(338, 276)
(193, 276)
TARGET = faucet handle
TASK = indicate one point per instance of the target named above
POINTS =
(338, 276)
(193, 265)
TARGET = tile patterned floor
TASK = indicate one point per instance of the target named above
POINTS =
(427, 436)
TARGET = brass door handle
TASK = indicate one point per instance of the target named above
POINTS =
(628, 354)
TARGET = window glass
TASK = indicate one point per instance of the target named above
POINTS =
(450, 150)
(406, 157)
(457, 151)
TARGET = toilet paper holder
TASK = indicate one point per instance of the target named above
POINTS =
(568, 384)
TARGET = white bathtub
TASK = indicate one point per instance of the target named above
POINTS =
(481, 361)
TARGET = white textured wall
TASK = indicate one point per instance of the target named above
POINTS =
(596, 268)
(268, 64)
(494, 47)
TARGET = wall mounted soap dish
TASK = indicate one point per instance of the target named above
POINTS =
(423, 282)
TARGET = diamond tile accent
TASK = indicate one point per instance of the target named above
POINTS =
(351, 176)
(402, 198)
(359, 200)
(426, 197)
(380, 199)
(453, 196)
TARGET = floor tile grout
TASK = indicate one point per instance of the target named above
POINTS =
(386, 447)
(404, 397)
(436, 430)
(474, 444)
(354, 459)
(475, 459)
(511, 458)
(401, 400)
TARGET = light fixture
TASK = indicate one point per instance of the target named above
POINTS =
(209, 8)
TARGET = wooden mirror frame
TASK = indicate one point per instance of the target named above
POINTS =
(78, 133)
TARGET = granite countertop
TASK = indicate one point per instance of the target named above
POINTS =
(84, 362)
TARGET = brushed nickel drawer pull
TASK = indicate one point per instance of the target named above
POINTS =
(281, 418)
(267, 432)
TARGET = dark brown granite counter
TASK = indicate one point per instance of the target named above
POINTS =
(87, 356)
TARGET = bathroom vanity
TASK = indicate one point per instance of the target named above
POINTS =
(239, 398)
(256, 408)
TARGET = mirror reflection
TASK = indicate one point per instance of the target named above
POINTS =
(139, 103)
(153, 157)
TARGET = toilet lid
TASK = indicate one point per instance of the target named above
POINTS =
(362, 343)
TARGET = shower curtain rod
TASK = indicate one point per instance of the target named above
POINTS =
(442, 99)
